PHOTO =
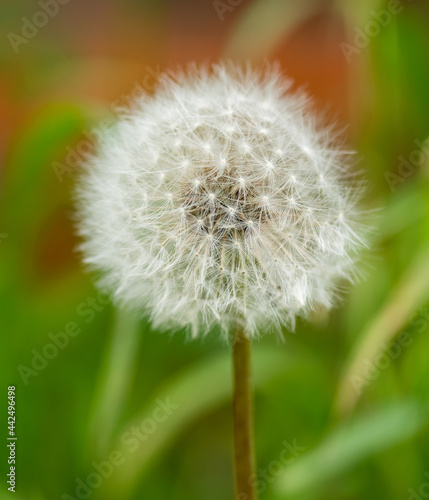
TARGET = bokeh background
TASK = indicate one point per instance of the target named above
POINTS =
(342, 404)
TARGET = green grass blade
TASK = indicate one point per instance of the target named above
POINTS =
(114, 380)
(411, 292)
(263, 25)
(348, 445)
(199, 390)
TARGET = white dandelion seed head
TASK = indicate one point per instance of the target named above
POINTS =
(220, 201)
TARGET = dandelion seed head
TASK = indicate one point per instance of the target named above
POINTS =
(232, 222)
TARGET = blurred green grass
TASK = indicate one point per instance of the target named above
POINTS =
(74, 411)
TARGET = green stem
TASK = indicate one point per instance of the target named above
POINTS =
(244, 455)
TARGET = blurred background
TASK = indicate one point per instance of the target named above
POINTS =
(107, 408)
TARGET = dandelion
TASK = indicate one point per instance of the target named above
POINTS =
(220, 202)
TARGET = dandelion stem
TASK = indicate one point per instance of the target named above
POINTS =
(244, 456)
